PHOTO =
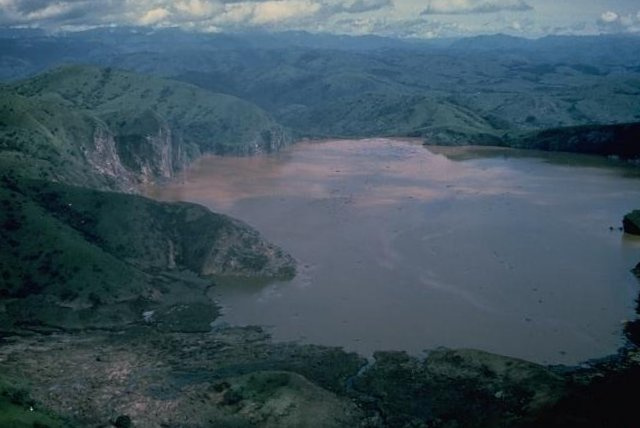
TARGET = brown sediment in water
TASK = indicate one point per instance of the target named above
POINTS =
(402, 248)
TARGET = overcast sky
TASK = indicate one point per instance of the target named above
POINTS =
(404, 18)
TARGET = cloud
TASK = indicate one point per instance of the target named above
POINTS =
(154, 16)
(197, 8)
(269, 12)
(399, 18)
(406, 28)
(616, 22)
(464, 7)
(193, 14)
(361, 6)
(609, 16)
(49, 13)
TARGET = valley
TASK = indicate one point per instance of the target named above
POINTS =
(237, 230)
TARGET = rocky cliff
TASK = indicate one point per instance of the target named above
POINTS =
(631, 222)
(107, 129)
(76, 256)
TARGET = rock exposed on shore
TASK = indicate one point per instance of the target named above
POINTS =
(631, 223)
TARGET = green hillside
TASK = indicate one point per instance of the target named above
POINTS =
(43, 137)
(395, 92)
(77, 258)
(621, 140)
(212, 122)
(110, 129)
(380, 114)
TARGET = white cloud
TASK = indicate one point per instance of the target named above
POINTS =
(627, 20)
(609, 16)
(383, 17)
(197, 8)
(154, 16)
(617, 22)
(461, 7)
(359, 6)
(273, 11)
(235, 14)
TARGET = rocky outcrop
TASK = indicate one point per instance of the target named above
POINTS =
(128, 159)
(102, 156)
(101, 259)
(228, 247)
(631, 223)
(109, 129)
(270, 140)
(148, 147)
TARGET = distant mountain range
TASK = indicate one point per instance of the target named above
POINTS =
(476, 90)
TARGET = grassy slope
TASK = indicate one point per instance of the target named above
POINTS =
(76, 258)
(50, 122)
(209, 120)
(353, 93)
(42, 137)
(19, 410)
(481, 86)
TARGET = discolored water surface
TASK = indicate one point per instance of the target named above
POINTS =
(402, 248)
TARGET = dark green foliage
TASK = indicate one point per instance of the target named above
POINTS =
(103, 128)
(81, 258)
(329, 86)
(18, 409)
(632, 331)
(606, 401)
(231, 397)
(123, 421)
(621, 140)
(453, 388)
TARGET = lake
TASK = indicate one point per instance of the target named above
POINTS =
(402, 248)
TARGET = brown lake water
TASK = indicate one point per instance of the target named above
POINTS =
(400, 248)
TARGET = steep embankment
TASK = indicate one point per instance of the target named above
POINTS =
(109, 129)
(77, 258)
